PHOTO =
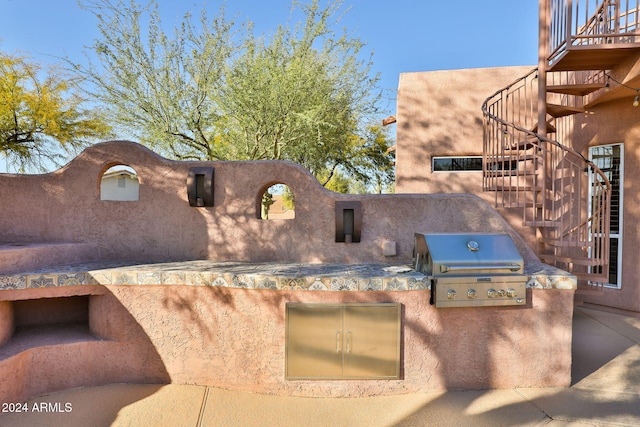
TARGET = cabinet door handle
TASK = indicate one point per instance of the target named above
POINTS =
(348, 341)
(338, 342)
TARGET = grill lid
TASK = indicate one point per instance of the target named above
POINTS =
(466, 254)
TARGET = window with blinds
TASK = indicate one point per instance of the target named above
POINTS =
(610, 159)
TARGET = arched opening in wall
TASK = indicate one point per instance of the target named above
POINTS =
(277, 202)
(120, 183)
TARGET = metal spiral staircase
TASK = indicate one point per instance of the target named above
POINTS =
(565, 196)
(560, 192)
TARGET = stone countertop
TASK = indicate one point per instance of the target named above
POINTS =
(543, 276)
(254, 275)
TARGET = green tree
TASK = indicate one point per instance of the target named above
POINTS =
(368, 165)
(369, 159)
(339, 183)
(162, 90)
(211, 92)
(41, 115)
(301, 95)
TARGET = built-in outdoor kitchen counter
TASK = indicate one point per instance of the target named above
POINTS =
(227, 324)
(244, 275)
(252, 275)
(339, 309)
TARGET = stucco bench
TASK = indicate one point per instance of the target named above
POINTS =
(25, 256)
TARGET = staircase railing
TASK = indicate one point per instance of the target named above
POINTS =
(561, 193)
(593, 22)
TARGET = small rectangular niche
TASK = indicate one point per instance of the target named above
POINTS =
(348, 222)
(48, 321)
(200, 187)
(51, 311)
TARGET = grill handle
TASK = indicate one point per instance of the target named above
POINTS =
(447, 268)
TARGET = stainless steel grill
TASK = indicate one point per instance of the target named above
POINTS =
(471, 269)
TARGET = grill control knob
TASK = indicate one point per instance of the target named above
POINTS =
(512, 293)
(492, 293)
(472, 294)
(451, 294)
(502, 293)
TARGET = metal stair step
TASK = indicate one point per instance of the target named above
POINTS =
(550, 128)
(527, 144)
(566, 243)
(575, 89)
(592, 262)
(556, 110)
(542, 223)
(596, 279)
(516, 188)
(510, 172)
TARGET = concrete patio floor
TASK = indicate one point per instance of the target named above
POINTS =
(605, 392)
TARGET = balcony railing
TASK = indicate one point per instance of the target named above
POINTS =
(589, 23)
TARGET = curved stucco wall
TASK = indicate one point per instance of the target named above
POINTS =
(65, 206)
(184, 333)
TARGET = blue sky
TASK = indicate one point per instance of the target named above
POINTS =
(404, 35)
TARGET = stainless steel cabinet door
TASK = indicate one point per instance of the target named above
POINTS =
(372, 341)
(342, 341)
(314, 341)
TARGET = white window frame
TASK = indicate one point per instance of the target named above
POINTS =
(620, 232)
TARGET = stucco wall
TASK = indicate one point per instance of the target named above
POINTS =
(439, 114)
(235, 338)
(210, 334)
(65, 206)
(613, 123)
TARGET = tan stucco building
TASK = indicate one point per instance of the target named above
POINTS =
(581, 95)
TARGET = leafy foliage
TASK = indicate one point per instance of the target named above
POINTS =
(41, 113)
(161, 90)
(301, 95)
